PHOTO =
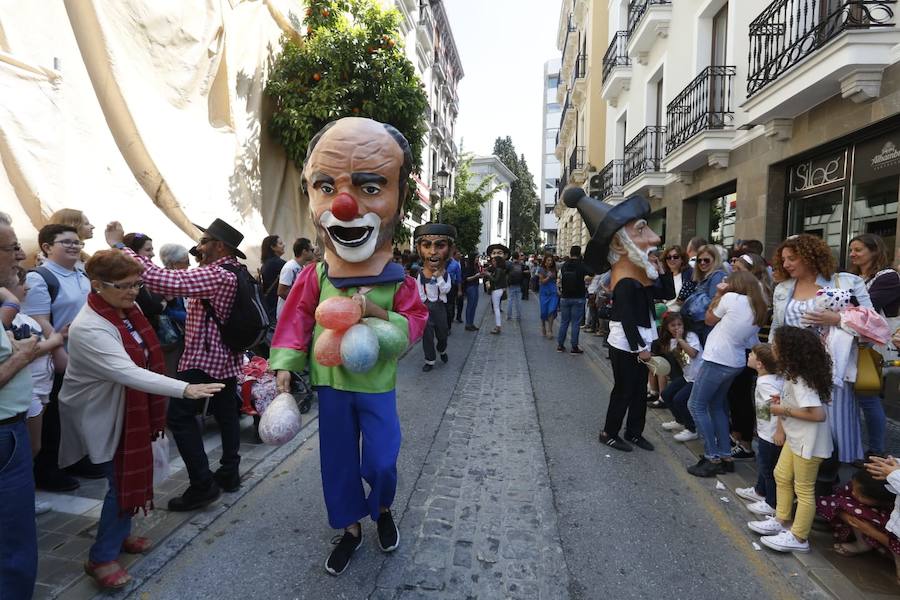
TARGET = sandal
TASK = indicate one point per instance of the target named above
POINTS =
(658, 403)
(113, 579)
(136, 545)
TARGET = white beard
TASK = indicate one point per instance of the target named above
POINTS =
(639, 257)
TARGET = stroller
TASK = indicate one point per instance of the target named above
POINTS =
(257, 389)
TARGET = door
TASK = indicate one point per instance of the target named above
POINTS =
(718, 83)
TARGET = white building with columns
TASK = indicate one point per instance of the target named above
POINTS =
(494, 212)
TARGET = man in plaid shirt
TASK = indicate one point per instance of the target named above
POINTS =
(206, 358)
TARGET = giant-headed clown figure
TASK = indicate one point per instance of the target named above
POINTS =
(621, 237)
(348, 319)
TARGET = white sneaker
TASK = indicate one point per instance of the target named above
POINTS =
(672, 426)
(686, 435)
(767, 527)
(761, 508)
(41, 507)
(748, 493)
(785, 542)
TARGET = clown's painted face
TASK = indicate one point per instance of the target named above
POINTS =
(435, 251)
(353, 181)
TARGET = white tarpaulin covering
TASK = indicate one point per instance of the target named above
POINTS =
(149, 112)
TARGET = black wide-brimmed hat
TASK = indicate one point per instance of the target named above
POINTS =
(223, 232)
(493, 247)
(603, 220)
(434, 229)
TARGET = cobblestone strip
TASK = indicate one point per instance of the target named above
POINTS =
(481, 522)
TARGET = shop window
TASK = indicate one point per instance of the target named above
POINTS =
(821, 215)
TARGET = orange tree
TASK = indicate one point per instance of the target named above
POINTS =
(350, 64)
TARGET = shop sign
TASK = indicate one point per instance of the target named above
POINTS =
(817, 173)
(877, 158)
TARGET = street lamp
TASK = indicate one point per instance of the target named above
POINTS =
(442, 179)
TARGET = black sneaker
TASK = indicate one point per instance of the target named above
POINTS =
(614, 441)
(706, 468)
(560, 348)
(339, 558)
(576, 350)
(426, 367)
(229, 481)
(195, 497)
(444, 357)
(741, 453)
(388, 534)
(640, 441)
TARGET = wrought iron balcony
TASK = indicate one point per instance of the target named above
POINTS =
(561, 185)
(706, 103)
(617, 54)
(612, 179)
(637, 9)
(570, 29)
(790, 30)
(580, 70)
(644, 153)
(576, 159)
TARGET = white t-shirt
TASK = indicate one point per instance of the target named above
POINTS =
(807, 439)
(690, 369)
(766, 423)
(41, 367)
(735, 333)
(619, 341)
(287, 277)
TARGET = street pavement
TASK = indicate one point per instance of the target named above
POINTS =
(504, 492)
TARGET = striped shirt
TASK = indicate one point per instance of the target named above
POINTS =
(203, 345)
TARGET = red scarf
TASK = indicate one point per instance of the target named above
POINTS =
(145, 414)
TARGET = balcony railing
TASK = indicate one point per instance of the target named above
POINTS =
(570, 29)
(706, 103)
(612, 179)
(576, 159)
(645, 152)
(637, 9)
(566, 106)
(790, 30)
(617, 54)
(580, 69)
(563, 182)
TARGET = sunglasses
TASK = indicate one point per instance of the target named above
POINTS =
(673, 257)
(704, 261)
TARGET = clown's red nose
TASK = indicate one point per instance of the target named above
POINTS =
(344, 207)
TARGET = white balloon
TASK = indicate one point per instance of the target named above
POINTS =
(281, 421)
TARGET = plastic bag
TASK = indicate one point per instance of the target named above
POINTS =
(161, 469)
(281, 421)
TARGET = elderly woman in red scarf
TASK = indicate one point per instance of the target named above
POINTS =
(113, 404)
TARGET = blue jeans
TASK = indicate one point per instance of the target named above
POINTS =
(471, 303)
(515, 302)
(767, 455)
(113, 527)
(675, 397)
(876, 422)
(18, 532)
(572, 312)
(709, 407)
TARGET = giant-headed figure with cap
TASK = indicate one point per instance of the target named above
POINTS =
(347, 319)
(623, 241)
(434, 243)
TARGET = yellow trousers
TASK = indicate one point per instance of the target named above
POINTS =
(796, 475)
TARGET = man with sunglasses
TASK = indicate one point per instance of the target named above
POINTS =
(434, 242)
(206, 358)
(56, 292)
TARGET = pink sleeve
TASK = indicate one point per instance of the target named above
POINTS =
(408, 304)
(294, 330)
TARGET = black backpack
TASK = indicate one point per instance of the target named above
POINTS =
(571, 284)
(248, 322)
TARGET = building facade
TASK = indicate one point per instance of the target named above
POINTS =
(431, 48)
(756, 119)
(551, 169)
(494, 212)
(580, 145)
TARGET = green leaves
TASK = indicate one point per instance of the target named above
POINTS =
(464, 211)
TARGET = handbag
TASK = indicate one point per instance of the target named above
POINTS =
(869, 363)
(168, 331)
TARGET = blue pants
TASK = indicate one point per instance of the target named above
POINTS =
(471, 303)
(675, 397)
(571, 311)
(515, 302)
(767, 455)
(876, 422)
(343, 418)
(18, 532)
(113, 527)
(709, 407)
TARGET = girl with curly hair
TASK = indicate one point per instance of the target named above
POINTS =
(803, 432)
(806, 264)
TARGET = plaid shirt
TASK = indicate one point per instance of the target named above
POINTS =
(203, 346)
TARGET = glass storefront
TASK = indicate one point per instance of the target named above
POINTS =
(717, 214)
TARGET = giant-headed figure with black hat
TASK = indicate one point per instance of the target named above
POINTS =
(349, 318)
(621, 237)
(434, 243)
